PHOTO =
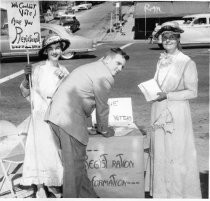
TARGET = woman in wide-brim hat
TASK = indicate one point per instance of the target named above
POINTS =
(52, 39)
(170, 28)
(174, 170)
(42, 163)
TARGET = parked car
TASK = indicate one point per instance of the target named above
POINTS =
(48, 17)
(63, 11)
(68, 22)
(75, 8)
(82, 6)
(79, 44)
(196, 30)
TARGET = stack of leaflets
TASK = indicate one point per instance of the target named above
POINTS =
(150, 89)
(122, 130)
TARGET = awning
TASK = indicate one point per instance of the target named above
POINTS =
(151, 9)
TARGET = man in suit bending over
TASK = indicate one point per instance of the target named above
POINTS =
(85, 89)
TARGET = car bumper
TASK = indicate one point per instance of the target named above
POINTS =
(85, 50)
(156, 41)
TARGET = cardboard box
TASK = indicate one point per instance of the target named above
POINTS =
(115, 165)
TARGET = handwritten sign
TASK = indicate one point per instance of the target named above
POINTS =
(116, 171)
(24, 24)
(120, 111)
(153, 9)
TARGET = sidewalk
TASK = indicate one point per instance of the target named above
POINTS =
(126, 34)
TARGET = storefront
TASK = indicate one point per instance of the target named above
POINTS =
(147, 14)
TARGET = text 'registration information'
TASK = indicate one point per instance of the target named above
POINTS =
(115, 166)
(24, 24)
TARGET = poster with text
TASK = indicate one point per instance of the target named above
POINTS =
(115, 166)
(120, 111)
(24, 24)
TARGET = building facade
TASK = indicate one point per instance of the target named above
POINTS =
(148, 14)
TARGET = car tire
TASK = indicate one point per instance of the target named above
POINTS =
(68, 55)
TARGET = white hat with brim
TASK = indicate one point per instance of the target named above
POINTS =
(52, 39)
(172, 27)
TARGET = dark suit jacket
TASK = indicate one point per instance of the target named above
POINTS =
(86, 88)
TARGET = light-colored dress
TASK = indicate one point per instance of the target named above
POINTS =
(174, 170)
(42, 163)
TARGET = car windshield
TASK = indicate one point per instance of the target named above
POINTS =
(188, 20)
(47, 31)
(200, 21)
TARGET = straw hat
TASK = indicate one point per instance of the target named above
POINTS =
(172, 27)
(52, 39)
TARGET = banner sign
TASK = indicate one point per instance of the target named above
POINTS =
(120, 111)
(115, 166)
(24, 24)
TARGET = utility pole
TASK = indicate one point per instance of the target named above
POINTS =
(120, 11)
(116, 12)
(111, 24)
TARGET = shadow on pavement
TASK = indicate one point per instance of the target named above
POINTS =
(19, 59)
(184, 47)
(196, 47)
(37, 59)
(83, 56)
(155, 48)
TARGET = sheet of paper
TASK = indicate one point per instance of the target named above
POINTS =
(120, 111)
(122, 131)
(150, 89)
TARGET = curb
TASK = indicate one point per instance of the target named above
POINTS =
(123, 41)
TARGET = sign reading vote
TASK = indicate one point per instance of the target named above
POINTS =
(120, 111)
(24, 24)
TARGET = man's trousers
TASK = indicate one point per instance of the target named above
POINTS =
(75, 180)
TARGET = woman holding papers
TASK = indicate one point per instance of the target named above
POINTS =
(42, 163)
(174, 171)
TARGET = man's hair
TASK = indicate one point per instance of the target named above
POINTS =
(114, 51)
